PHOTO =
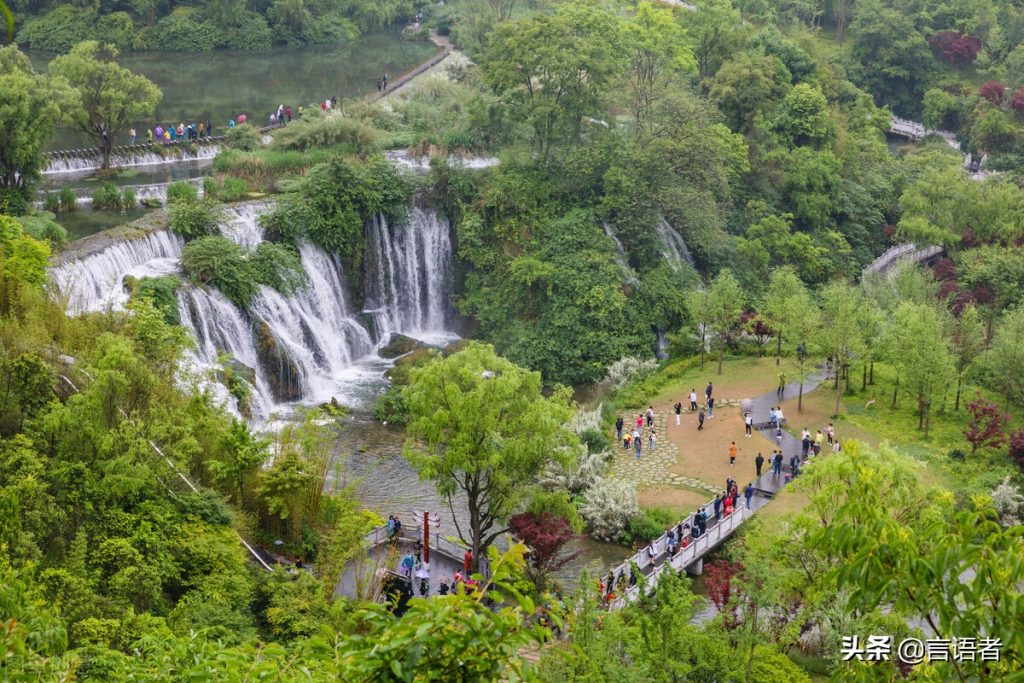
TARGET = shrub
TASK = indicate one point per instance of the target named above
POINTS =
(220, 263)
(128, 198)
(992, 91)
(183, 29)
(182, 191)
(1009, 503)
(596, 440)
(628, 369)
(42, 226)
(106, 196)
(311, 132)
(68, 199)
(192, 219)
(244, 137)
(279, 266)
(956, 48)
(607, 508)
(251, 33)
(51, 202)
(233, 189)
(162, 292)
(1018, 100)
(1017, 447)
(390, 406)
(577, 477)
(643, 528)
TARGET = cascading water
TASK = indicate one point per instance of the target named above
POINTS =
(75, 165)
(219, 328)
(95, 281)
(620, 257)
(675, 250)
(409, 275)
(309, 346)
(142, 192)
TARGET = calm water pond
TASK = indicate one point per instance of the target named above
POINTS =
(83, 221)
(220, 85)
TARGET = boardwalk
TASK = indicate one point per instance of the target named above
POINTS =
(651, 561)
(913, 130)
(902, 253)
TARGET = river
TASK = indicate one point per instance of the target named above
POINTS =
(221, 84)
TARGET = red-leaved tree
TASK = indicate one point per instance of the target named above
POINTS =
(956, 48)
(1017, 102)
(718, 577)
(758, 329)
(1017, 447)
(545, 536)
(992, 91)
(986, 424)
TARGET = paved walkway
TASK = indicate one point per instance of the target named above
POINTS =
(654, 467)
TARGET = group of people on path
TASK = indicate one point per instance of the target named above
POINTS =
(636, 436)
(382, 84)
(182, 132)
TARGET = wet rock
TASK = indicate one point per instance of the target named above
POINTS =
(399, 345)
(282, 373)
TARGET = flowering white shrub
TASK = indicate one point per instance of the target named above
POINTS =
(586, 419)
(1009, 503)
(625, 370)
(608, 506)
(576, 478)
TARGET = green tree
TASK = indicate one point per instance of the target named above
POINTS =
(556, 69)
(1003, 362)
(110, 96)
(921, 351)
(479, 426)
(658, 54)
(841, 334)
(747, 84)
(725, 306)
(23, 263)
(30, 107)
(787, 307)
(804, 118)
(698, 305)
(968, 341)
(714, 32)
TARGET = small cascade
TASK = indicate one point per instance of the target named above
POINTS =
(95, 282)
(422, 163)
(219, 328)
(620, 257)
(312, 336)
(409, 275)
(674, 247)
(145, 156)
(242, 224)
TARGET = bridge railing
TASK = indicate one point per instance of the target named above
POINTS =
(438, 543)
(685, 556)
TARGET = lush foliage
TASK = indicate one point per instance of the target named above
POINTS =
(238, 274)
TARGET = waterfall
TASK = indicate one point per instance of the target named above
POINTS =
(242, 223)
(94, 282)
(620, 257)
(307, 347)
(674, 247)
(315, 335)
(144, 156)
(409, 275)
(219, 328)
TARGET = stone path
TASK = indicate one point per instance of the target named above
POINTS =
(653, 467)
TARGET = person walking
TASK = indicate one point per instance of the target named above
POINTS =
(836, 448)
(131, 136)
(637, 444)
(650, 416)
(711, 407)
(718, 507)
(779, 417)
(288, 113)
(777, 463)
(467, 561)
(818, 440)
(640, 422)
(758, 462)
(805, 442)
(748, 493)
(384, 82)
(700, 419)
(748, 424)
(651, 441)
(693, 400)
(202, 129)
(149, 136)
(679, 411)
(619, 422)
(626, 440)
(830, 433)
(781, 391)
(732, 454)
(708, 390)
(778, 436)
(378, 87)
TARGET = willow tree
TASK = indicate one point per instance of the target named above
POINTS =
(480, 428)
(841, 334)
(111, 97)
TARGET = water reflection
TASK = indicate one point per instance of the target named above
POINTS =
(220, 85)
